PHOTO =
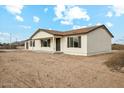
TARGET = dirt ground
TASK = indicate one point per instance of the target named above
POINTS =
(32, 69)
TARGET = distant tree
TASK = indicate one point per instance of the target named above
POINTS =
(0, 44)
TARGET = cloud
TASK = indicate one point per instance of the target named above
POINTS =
(36, 19)
(77, 27)
(97, 24)
(119, 40)
(14, 9)
(109, 14)
(118, 9)
(65, 22)
(19, 18)
(45, 10)
(59, 9)
(67, 14)
(4, 34)
(89, 24)
(50, 28)
(109, 24)
(4, 37)
(78, 13)
(83, 26)
(25, 27)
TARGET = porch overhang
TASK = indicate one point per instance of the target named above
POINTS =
(41, 38)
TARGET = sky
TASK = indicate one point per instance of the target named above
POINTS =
(21, 21)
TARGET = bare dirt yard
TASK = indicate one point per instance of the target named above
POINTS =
(32, 69)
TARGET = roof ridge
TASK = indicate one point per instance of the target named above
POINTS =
(70, 30)
(85, 27)
(73, 32)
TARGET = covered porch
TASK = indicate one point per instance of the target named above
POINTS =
(47, 44)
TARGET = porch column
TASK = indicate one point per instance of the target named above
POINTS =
(54, 46)
(25, 45)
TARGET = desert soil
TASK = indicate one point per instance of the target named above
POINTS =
(32, 69)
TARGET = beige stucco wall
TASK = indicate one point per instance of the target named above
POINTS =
(28, 44)
(42, 34)
(25, 44)
(98, 41)
(37, 38)
(75, 51)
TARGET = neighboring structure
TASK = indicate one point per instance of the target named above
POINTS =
(85, 41)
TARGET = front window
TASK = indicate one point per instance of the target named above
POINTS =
(34, 43)
(74, 41)
(31, 43)
(45, 43)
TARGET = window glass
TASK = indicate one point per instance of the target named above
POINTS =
(45, 43)
(79, 41)
(74, 41)
(33, 43)
(71, 42)
(68, 41)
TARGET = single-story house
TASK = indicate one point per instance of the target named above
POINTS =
(85, 41)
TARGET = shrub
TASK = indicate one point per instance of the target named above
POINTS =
(116, 62)
(117, 47)
(8, 47)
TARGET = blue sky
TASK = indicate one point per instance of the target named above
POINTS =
(22, 21)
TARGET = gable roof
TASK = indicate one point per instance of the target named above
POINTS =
(74, 32)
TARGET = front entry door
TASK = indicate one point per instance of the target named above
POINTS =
(58, 48)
